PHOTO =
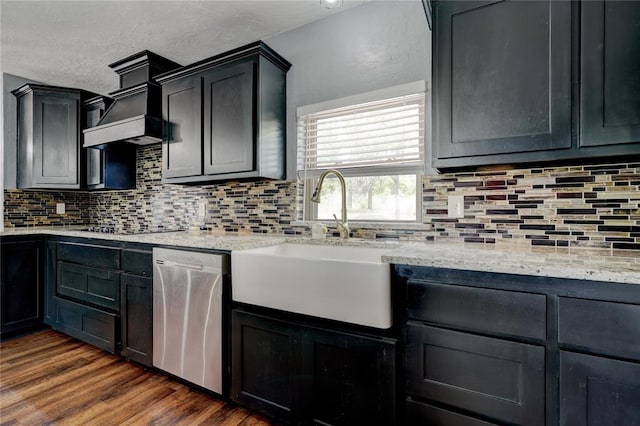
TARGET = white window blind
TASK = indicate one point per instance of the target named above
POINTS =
(365, 139)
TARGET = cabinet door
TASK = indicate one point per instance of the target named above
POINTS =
(22, 285)
(610, 73)
(349, 379)
(95, 167)
(137, 318)
(229, 117)
(495, 378)
(502, 79)
(56, 141)
(266, 364)
(182, 116)
(598, 391)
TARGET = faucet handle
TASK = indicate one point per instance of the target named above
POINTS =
(342, 227)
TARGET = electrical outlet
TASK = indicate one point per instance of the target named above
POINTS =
(455, 206)
(60, 208)
(202, 209)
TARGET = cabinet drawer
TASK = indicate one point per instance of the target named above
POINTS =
(495, 378)
(87, 324)
(608, 328)
(98, 286)
(90, 255)
(419, 414)
(139, 262)
(499, 312)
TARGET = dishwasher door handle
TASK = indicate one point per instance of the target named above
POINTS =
(173, 264)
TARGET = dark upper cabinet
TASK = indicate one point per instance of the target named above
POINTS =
(535, 81)
(502, 78)
(224, 117)
(182, 145)
(598, 391)
(610, 73)
(21, 285)
(112, 166)
(49, 145)
(229, 117)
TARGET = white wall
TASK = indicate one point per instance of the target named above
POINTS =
(374, 46)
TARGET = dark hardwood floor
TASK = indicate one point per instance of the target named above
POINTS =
(50, 378)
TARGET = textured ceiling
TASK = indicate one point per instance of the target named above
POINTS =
(71, 43)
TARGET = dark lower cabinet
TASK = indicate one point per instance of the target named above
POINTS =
(91, 325)
(493, 378)
(22, 285)
(266, 361)
(306, 375)
(349, 378)
(102, 293)
(492, 348)
(137, 318)
(598, 391)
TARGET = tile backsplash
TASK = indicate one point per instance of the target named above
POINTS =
(593, 206)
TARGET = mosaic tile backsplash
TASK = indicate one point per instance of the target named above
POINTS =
(576, 206)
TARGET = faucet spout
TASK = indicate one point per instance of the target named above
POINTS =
(342, 225)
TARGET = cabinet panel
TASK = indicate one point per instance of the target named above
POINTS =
(482, 104)
(137, 318)
(56, 140)
(598, 391)
(98, 286)
(139, 262)
(495, 378)
(613, 331)
(229, 119)
(89, 255)
(485, 310)
(419, 414)
(610, 73)
(182, 142)
(351, 378)
(266, 359)
(21, 281)
(87, 324)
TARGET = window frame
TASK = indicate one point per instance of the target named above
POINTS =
(310, 209)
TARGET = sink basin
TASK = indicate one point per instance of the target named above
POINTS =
(341, 283)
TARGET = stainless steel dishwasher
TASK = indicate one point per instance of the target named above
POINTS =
(187, 315)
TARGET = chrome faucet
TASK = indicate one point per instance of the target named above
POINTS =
(341, 225)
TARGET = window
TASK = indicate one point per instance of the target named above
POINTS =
(379, 148)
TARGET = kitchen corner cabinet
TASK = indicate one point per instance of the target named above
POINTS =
(113, 166)
(306, 375)
(224, 117)
(49, 137)
(21, 285)
(560, 80)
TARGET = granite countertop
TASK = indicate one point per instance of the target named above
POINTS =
(576, 263)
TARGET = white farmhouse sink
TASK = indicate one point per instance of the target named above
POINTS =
(342, 283)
